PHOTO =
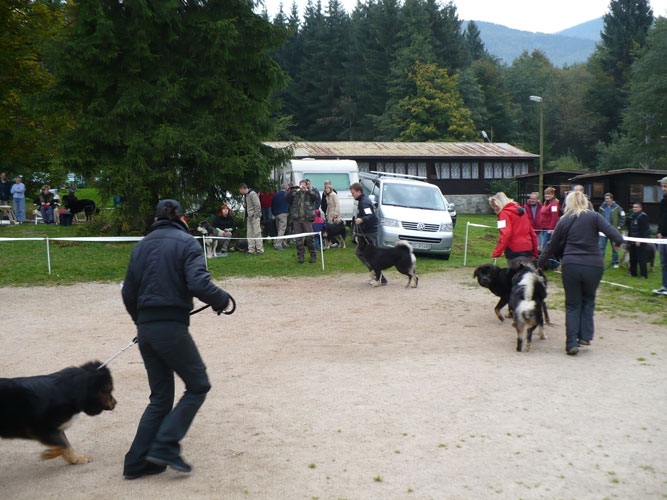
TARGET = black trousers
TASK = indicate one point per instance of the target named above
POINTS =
(638, 255)
(580, 283)
(510, 255)
(167, 348)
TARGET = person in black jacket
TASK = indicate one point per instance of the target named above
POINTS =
(639, 228)
(166, 270)
(225, 222)
(662, 233)
(366, 225)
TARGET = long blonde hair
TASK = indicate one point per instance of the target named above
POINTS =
(499, 200)
(576, 203)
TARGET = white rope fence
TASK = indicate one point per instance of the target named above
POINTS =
(655, 241)
(120, 239)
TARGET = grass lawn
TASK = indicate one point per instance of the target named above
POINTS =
(25, 264)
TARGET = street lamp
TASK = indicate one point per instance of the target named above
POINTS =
(536, 98)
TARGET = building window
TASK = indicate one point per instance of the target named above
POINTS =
(389, 167)
(497, 170)
(442, 170)
(455, 170)
(421, 169)
(363, 166)
(651, 194)
(598, 190)
(524, 167)
(465, 170)
(488, 170)
(507, 170)
(400, 168)
(412, 169)
(636, 192)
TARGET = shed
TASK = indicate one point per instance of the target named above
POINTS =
(461, 170)
(558, 179)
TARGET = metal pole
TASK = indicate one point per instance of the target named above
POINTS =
(465, 250)
(321, 250)
(541, 150)
(203, 239)
(48, 255)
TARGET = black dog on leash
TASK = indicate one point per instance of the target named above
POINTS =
(499, 281)
(401, 256)
(75, 205)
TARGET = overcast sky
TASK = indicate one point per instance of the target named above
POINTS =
(546, 16)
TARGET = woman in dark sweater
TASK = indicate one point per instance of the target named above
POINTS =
(225, 222)
(582, 265)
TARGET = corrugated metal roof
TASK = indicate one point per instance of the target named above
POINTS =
(404, 149)
(621, 171)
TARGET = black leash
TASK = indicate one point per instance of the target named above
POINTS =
(136, 339)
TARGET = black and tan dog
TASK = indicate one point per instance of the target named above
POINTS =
(75, 205)
(335, 233)
(43, 407)
(401, 256)
(499, 281)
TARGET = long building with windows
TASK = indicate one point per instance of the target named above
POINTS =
(462, 170)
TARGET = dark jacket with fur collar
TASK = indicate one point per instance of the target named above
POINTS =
(165, 272)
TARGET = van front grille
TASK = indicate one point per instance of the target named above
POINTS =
(413, 226)
(418, 239)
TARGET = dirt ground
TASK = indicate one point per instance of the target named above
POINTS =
(328, 388)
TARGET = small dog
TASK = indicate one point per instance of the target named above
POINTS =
(529, 291)
(335, 232)
(499, 281)
(75, 205)
(208, 229)
(241, 246)
(649, 250)
(42, 407)
(401, 256)
(269, 228)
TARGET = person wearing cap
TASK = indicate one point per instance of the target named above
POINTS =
(166, 270)
(662, 234)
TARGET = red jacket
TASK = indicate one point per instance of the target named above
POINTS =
(265, 198)
(534, 221)
(516, 233)
(549, 215)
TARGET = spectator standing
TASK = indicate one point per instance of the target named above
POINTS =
(18, 194)
(46, 204)
(5, 189)
(224, 221)
(614, 214)
(316, 191)
(582, 266)
(166, 270)
(253, 212)
(330, 200)
(302, 206)
(279, 208)
(324, 205)
(517, 237)
(662, 233)
(366, 226)
(548, 216)
(533, 209)
(639, 228)
(265, 199)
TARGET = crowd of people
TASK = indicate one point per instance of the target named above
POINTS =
(46, 201)
(579, 235)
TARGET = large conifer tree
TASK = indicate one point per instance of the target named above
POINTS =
(171, 98)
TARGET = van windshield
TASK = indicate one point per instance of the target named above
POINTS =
(339, 181)
(412, 196)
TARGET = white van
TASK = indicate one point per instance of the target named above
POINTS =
(341, 173)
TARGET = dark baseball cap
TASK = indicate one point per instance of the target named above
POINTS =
(162, 203)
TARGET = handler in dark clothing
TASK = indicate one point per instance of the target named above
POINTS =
(639, 228)
(303, 203)
(366, 224)
(166, 270)
(582, 265)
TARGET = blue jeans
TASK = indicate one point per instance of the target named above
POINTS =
(167, 347)
(603, 248)
(662, 249)
(19, 208)
(47, 213)
(267, 214)
(580, 283)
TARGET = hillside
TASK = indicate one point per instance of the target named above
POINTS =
(507, 44)
(589, 30)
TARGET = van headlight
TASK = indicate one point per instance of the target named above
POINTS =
(447, 227)
(390, 222)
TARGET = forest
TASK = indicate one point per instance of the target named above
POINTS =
(175, 98)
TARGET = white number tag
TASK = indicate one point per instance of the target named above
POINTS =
(554, 208)
(502, 224)
(368, 211)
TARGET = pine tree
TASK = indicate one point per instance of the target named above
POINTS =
(170, 99)
(473, 42)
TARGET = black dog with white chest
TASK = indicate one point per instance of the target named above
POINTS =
(499, 281)
(401, 256)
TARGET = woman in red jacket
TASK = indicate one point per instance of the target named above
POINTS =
(517, 237)
(548, 216)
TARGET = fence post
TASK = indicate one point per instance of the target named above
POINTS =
(465, 251)
(48, 255)
(203, 239)
(321, 249)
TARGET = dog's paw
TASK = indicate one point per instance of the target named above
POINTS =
(51, 453)
(80, 459)
(500, 316)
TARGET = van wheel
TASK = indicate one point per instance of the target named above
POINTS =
(444, 256)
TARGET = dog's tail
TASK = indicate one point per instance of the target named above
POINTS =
(526, 310)
(403, 243)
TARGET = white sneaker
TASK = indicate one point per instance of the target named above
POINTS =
(372, 282)
(661, 291)
(615, 266)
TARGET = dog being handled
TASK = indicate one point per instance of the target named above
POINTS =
(529, 291)
(335, 233)
(401, 256)
(208, 229)
(43, 407)
(499, 281)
